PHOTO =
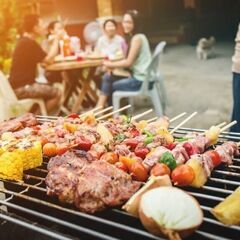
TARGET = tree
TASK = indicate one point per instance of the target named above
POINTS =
(9, 24)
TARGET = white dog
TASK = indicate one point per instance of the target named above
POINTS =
(205, 48)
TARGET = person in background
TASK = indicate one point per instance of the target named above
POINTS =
(27, 55)
(236, 84)
(55, 30)
(138, 60)
(111, 44)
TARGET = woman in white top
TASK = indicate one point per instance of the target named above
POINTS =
(137, 60)
(111, 44)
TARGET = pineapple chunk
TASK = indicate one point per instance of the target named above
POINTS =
(106, 136)
(212, 134)
(200, 175)
(228, 211)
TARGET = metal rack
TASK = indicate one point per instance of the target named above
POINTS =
(27, 205)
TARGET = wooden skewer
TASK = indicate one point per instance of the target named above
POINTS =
(142, 114)
(183, 122)
(104, 110)
(152, 120)
(171, 120)
(114, 112)
(93, 110)
(228, 126)
(221, 124)
(177, 117)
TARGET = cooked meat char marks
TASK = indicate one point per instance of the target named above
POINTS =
(61, 181)
(63, 174)
(12, 125)
(91, 186)
(102, 184)
(75, 158)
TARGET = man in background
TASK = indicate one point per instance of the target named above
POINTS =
(236, 84)
(27, 55)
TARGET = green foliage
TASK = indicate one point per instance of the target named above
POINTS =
(9, 23)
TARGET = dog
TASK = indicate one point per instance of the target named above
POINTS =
(205, 48)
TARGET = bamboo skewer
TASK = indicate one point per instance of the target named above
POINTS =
(142, 114)
(228, 126)
(114, 112)
(152, 120)
(171, 120)
(183, 122)
(104, 110)
(93, 110)
(177, 117)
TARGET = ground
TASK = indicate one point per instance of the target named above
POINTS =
(195, 85)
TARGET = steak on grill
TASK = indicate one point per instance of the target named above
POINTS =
(102, 184)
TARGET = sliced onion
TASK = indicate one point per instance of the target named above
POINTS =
(132, 204)
(170, 211)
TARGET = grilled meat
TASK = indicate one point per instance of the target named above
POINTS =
(101, 184)
(13, 125)
(63, 174)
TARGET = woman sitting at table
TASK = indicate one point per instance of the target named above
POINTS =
(111, 44)
(138, 60)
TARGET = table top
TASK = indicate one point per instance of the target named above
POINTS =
(70, 65)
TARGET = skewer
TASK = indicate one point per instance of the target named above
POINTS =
(183, 122)
(93, 110)
(142, 114)
(114, 112)
(171, 120)
(104, 110)
(228, 126)
(177, 117)
(152, 120)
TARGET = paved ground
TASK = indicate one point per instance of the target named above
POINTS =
(194, 85)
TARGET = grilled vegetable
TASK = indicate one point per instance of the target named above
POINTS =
(200, 175)
(50, 149)
(168, 159)
(228, 211)
(215, 157)
(170, 211)
(160, 169)
(148, 140)
(141, 152)
(127, 161)
(110, 157)
(11, 166)
(183, 175)
(133, 203)
(121, 166)
(138, 172)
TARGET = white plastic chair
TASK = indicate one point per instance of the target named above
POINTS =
(10, 106)
(157, 93)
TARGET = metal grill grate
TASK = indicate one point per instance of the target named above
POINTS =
(26, 204)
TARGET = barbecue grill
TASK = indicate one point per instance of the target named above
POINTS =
(27, 210)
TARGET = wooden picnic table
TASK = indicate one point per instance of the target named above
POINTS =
(84, 88)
